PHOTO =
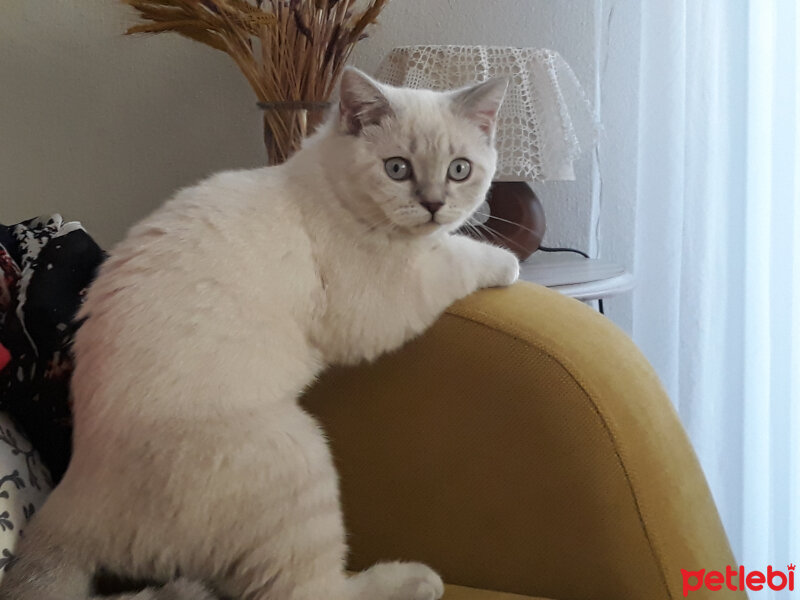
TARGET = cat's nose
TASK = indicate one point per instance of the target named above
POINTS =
(431, 207)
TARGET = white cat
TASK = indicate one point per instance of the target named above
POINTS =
(192, 458)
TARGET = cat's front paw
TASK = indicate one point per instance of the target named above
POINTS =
(502, 268)
(399, 581)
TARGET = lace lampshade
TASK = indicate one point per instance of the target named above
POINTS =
(536, 138)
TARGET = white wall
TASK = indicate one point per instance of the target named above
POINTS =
(102, 128)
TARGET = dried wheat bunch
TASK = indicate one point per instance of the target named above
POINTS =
(290, 51)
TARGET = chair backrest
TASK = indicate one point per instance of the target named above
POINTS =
(524, 445)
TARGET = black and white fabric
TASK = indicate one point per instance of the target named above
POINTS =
(24, 485)
(45, 266)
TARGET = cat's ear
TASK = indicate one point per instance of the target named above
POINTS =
(361, 101)
(481, 103)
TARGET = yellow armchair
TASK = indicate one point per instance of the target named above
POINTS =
(523, 446)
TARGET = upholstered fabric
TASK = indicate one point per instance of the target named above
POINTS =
(522, 445)
(24, 485)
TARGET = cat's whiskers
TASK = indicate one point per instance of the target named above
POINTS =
(472, 228)
(482, 214)
(508, 240)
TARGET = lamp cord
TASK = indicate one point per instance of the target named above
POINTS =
(600, 306)
(548, 249)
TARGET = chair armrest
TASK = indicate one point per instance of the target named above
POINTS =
(523, 444)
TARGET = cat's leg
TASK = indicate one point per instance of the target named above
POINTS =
(282, 530)
(476, 264)
(460, 265)
(302, 551)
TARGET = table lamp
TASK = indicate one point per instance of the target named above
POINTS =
(536, 138)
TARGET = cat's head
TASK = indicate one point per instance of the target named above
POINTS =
(423, 159)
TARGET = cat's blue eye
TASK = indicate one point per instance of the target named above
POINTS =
(397, 168)
(459, 169)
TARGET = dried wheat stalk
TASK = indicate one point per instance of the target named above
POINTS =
(289, 50)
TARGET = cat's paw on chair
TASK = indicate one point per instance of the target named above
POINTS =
(503, 268)
(398, 581)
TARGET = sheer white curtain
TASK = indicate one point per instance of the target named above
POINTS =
(717, 251)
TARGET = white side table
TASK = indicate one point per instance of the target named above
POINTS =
(573, 275)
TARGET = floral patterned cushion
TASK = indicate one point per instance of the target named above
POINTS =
(24, 485)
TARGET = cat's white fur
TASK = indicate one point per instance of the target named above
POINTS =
(191, 454)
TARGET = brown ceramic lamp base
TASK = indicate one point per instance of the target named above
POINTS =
(517, 220)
